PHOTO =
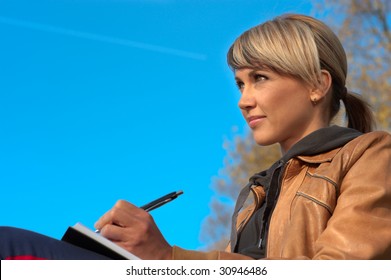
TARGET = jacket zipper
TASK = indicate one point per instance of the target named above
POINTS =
(263, 238)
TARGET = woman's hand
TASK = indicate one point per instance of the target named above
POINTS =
(135, 230)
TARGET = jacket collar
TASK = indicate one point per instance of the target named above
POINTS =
(320, 158)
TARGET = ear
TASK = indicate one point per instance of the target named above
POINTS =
(323, 88)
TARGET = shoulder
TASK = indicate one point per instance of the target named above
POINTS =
(373, 141)
(373, 137)
(369, 146)
(369, 153)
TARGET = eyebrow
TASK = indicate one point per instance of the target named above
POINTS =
(251, 72)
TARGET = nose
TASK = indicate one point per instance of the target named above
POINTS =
(247, 100)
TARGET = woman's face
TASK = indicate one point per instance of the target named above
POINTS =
(277, 108)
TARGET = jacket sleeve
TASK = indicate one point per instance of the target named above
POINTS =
(360, 227)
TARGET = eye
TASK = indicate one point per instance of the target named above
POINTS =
(259, 77)
(239, 84)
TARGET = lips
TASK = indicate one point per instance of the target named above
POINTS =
(253, 121)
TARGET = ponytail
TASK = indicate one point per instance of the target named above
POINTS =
(358, 113)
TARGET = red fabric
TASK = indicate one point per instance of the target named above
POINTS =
(27, 257)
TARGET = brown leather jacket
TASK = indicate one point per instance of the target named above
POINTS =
(335, 205)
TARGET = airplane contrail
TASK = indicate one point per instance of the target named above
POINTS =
(101, 38)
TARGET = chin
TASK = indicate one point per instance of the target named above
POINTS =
(264, 141)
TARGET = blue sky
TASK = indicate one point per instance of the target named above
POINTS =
(118, 99)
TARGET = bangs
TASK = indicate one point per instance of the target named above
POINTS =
(285, 47)
(246, 52)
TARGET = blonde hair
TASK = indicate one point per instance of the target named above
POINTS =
(301, 47)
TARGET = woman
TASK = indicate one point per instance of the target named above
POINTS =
(329, 196)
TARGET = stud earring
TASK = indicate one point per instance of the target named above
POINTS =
(314, 101)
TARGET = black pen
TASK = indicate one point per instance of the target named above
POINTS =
(159, 202)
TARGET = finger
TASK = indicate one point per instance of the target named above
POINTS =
(119, 214)
(129, 226)
(112, 232)
(131, 235)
